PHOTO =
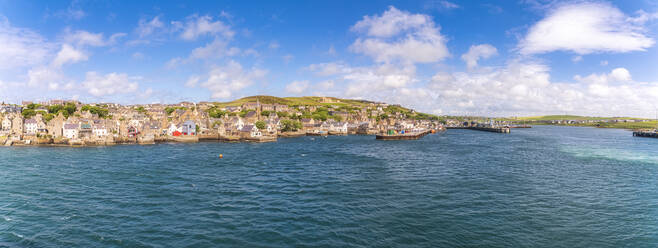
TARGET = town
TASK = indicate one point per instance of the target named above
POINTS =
(256, 119)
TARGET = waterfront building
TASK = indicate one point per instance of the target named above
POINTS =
(30, 126)
(70, 131)
(188, 128)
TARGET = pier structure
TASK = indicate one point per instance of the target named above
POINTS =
(403, 136)
(648, 134)
(487, 129)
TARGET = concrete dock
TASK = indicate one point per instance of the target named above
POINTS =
(405, 136)
(487, 129)
(648, 134)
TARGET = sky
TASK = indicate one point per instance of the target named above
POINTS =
(498, 58)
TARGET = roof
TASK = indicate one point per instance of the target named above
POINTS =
(70, 126)
(247, 128)
(30, 121)
(250, 114)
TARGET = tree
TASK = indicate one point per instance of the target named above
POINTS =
(169, 110)
(290, 125)
(282, 114)
(33, 105)
(69, 109)
(261, 125)
(265, 113)
(28, 113)
(54, 109)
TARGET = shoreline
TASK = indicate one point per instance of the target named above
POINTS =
(217, 139)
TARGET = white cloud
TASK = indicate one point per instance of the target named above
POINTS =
(45, 76)
(616, 75)
(68, 54)
(192, 81)
(223, 81)
(585, 28)
(400, 36)
(326, 85)
(82, 38)
(577, 59)
(216, 49)
(297, 87)
(146, 28)
(196, 26)
(478, 52)
(109, 84)
(251, 52)
(21, 47)
(371, 80)
(328, 69)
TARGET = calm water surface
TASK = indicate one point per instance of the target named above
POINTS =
(540, 187)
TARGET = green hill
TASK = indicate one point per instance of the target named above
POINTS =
(349, 105)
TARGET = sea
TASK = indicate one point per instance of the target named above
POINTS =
(545, 186)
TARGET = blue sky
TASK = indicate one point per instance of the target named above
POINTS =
(501, 58)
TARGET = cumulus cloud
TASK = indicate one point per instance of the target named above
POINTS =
(146, 28)
(616, 75)
(84, 38)
(68, 54)
(372, 80)
(297, 87)
(328, 69)
(197, 26)
(109, 84)
(21, 47)
(45, 77)
(584, 28)
(478, 52)
(223, 81)
(400, 36)
(217, 48)
(326, 85)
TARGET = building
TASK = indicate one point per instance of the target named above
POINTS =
(267, 107)
(99, 130)
(250, 131)
(251, 105)
(188, 128)
(281, 108)
(6, 123)
(30, 126)
(70, 131)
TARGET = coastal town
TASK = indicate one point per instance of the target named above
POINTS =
(255, 119)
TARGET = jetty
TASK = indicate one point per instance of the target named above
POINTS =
(487, 129)
(647, 134)
(402, 136)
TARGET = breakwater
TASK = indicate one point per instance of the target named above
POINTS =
(405, 136)
(487, 129)
(647, 134)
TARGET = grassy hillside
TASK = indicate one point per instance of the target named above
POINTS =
(343, 104)
(296, 101)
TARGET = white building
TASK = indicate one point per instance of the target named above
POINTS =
(31, 126)
(99, 130)
(6, 124)
(70, 131)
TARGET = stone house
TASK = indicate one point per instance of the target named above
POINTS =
(70, 131)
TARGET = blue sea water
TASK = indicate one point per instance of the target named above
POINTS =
(540, 187)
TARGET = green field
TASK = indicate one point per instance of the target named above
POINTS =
(348, 105)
